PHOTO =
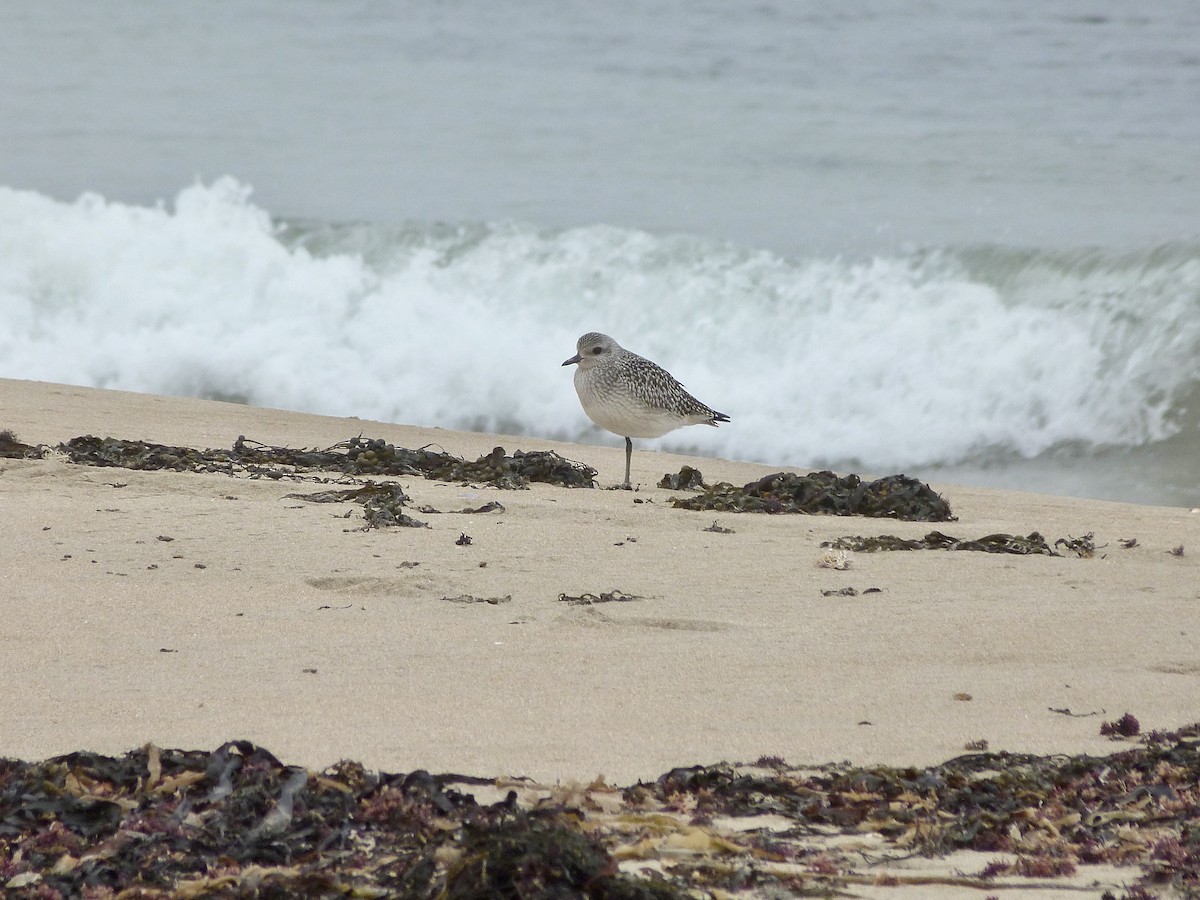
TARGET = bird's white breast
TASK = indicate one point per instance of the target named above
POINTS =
(619, 411)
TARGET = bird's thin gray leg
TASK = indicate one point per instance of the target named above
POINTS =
(628, 460)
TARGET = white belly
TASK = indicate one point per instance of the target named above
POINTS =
(621, 413)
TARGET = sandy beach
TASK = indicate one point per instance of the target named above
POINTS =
(177, 609)
(187, 609)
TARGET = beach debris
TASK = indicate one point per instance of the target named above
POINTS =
(11, 448)
(493, 506)
(383, 506)
(538, 856)
(357, 456)
(1053, 814)
(1176, 551)
(383, 503)
(589, 599)
(1128, 543)
(824, 493)
(279, 816)
(840, 592)
(471, 598)
(935, 540)
(495, 468)
(717, 529)
(237, 822)
(94, 451)
(834, 559)
(1066, 711)
(1126, 726)
(686, 479)
(1083, 547)
(963, 697)
(464, 539)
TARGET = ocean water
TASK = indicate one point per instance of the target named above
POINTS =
(955, 240)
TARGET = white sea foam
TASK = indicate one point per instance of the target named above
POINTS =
(932, 358)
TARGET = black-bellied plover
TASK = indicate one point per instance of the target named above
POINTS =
(630, 396)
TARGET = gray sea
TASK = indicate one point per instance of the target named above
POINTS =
(956, 240)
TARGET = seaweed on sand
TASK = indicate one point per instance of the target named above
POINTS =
(238, 822)
(1033, 543)
(12, 448)
(356, 456)
(383, 503)
(817, 493)
(1138, 807)
(541, 854)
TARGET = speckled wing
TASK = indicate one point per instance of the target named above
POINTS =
(659, 390)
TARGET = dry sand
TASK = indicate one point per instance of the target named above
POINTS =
(275, 620)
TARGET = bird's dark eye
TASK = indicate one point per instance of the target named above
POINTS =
(596, 351)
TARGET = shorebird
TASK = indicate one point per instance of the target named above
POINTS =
(631, 396)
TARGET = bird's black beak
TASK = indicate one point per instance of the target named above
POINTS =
(570, 362)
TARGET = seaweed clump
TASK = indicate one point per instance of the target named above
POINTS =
(686, 479)
(356, 456)
(1139, 807)
(1033, 543)
(1126, 726)
(818, 493)
(536, 856)
(383, 504)
(12, 448)
(237, 822)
